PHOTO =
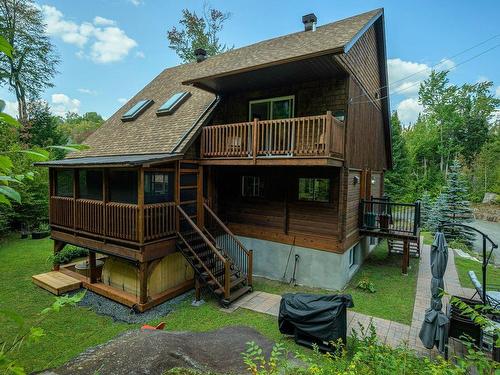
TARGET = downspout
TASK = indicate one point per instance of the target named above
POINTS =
(184, 136)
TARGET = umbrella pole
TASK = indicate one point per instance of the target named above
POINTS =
(485, 269)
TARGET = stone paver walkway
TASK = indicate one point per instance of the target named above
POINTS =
(389, 332)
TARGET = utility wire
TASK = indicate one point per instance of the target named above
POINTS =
(417, 83)
(432, 66)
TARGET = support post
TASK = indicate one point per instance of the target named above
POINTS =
(140, 205)
(58, 246)
(227, 279)
(143, 282)
(255, 139)
(105, 199)
(197, 288)
(406, 257)
(328, 133)
(92, 268)
(250, 268)
(199, 198)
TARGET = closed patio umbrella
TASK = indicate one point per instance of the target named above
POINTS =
(434, 328)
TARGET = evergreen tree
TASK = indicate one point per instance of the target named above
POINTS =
(396, 180)
(437, 213)
(458, 208)
(425, 210)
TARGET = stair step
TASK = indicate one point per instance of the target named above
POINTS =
(235, 281)
(237, 294)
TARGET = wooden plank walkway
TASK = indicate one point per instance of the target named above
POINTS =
(56, 282)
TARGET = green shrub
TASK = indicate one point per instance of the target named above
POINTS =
(67, 254)
(366, 285)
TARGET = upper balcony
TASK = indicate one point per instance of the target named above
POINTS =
(311, 140)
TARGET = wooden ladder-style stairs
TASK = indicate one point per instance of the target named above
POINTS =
(217, 262)
(396, 246)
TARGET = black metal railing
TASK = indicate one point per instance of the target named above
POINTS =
(228, 244)
(380, 214)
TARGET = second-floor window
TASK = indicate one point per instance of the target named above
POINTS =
(252, 186)
(272, 108)
(314, 189)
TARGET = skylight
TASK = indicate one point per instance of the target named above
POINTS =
(136, 110)
(173, 103)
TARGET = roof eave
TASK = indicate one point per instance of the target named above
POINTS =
(360, 33)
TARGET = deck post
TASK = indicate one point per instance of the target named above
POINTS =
(143, 282)
(199, 198)
(328, 133)
(105, 198)
(227, 279)
(75, 195)
(140, 205)
(406, 256)
(255, 139)
(197, 289)
(58, 246)
(92, 267)
(250, 267)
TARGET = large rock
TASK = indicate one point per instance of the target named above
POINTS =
(490, 198)
(153, 352)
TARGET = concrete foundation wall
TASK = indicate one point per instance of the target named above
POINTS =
(315, 268)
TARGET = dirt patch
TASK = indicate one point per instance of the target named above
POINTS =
(153, 352)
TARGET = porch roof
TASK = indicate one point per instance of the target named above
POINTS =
(110, 161)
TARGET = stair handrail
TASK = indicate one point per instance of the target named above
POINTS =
(226, 229)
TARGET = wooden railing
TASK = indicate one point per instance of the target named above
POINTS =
(112, 219)
(301, 136)
(61, 211)
(159, 220)
(382, 215)
(228, 244)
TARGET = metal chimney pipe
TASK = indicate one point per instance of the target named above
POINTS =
(200, 54)
(309, 21)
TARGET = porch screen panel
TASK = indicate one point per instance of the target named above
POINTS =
(123, 186)
(90, 182)
(158, 187)
(64, 183)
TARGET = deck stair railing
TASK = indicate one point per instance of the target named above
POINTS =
(228, 244)
(382, 215)
(212, 265)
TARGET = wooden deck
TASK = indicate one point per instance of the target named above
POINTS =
(56, 282)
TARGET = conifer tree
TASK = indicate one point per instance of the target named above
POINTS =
(425, 209)
(458, 208)
(437, 213)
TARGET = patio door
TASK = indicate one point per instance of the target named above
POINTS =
(272, 109)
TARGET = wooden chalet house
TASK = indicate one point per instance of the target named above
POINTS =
(268, 160)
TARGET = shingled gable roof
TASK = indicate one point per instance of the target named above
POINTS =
(152, 134)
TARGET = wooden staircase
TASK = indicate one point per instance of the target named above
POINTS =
(219, 260)
(396, 246)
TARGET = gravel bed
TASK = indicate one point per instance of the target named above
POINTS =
(104, 306)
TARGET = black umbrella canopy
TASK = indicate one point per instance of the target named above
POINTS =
(434, 328)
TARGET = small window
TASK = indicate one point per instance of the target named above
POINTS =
(90, 183)
(272, 108)
(352, 256)
(136, 110)
(158, 187)
(314, 189)
(173, 103)
(252, 186)
(64, 183)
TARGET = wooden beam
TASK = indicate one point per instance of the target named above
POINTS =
(143, 282)
(140, 205)
(105, 199)
(58, 246)
(199, 198)
(92, 268)
(406, 257)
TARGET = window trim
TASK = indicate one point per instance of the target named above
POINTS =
(260, 182)
(130, 117)
(271, 100)
(168, 111)
(329, 201)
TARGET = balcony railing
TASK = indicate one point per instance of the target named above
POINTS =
(301, 136)
(114, 220)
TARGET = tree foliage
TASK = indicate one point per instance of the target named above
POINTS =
(31, 67)
(77, 128)
(198, 32)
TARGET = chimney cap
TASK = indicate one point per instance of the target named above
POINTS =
(200, 54)
(309, 21)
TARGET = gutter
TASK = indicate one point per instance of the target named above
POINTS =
(185, 135)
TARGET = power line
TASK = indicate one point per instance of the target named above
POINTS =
(432, 66)
(417, 83)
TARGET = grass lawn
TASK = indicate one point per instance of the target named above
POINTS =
(395, 293)
(428, 237)
(463, 266)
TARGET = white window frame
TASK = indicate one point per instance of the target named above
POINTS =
(352, 255)
(271, 100)
(256, 186)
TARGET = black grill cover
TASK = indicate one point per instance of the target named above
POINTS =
(319, 316)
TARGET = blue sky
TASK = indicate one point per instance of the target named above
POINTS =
(111, 48)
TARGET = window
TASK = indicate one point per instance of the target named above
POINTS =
(136, 110)
(123, 186)
(90, 183)
(351, 257)
(173, 103)
(158, 187)
(64, 183)
(314, 189)
(252, 186)
(272, 109)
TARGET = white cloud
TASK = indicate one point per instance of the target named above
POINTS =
(408, 110)
(101, 21)
(497, 92)
(137, 2)
(87, 91)
(102, 41)
(140, 55)
(11, 108)
(482, 79)
(61, 104)
(122, 100)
